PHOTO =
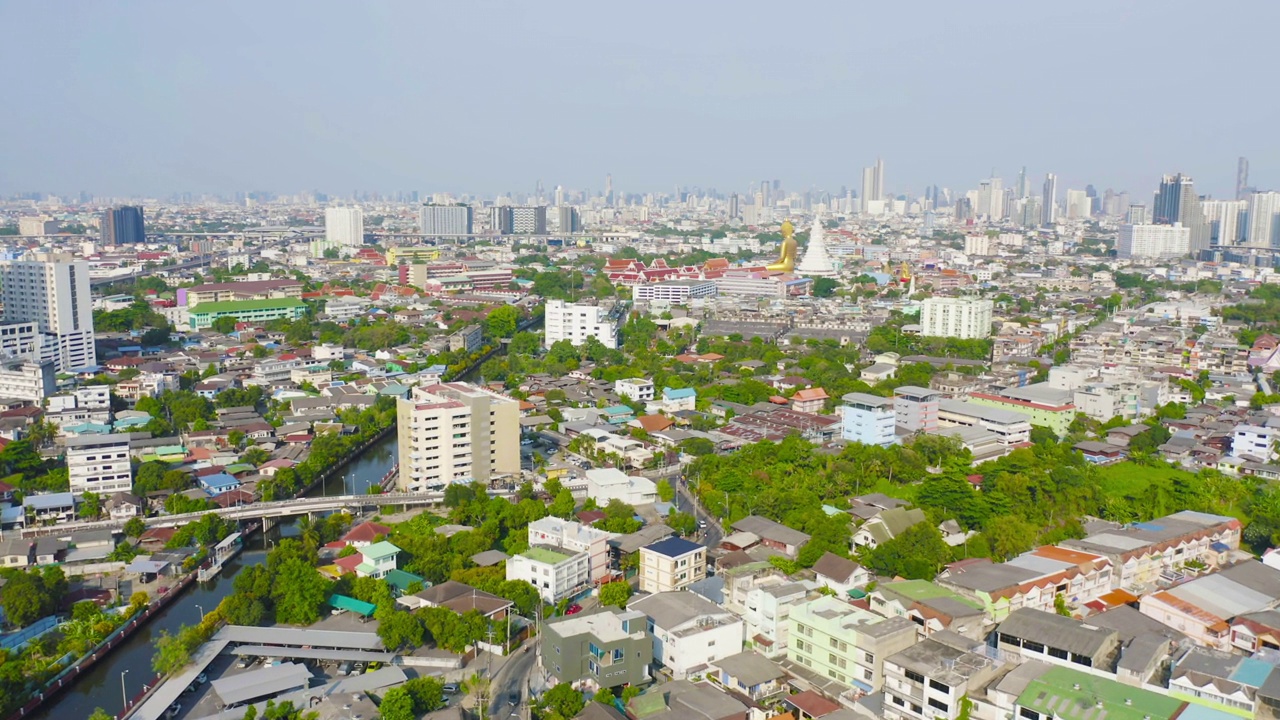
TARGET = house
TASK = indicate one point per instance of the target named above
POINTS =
(671, 564)
(1035, 579)
(1141, 552)
(556, 572)
(602, 648)
(689, 632)
(765, 606)
(809, 400)
(840, 574)
(1204, 608)
(123, 506)
(1101, 453)
(773, 534)
(749, 673)
(50, 507)
(17, 552)
(846, 643)
(460, 598)
(376, 559)
(676, 399)
(1055, 639)
(636, 389)
(365, 534)
(885, 526)
(931, 607)
(685, 700)
(575, 537)
(605, 484)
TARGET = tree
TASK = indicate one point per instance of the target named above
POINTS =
(563, 505)
(100, 714)
(916, 554)
(396, 705)
(155, 336)
(172, 653)
(134, 527)
(559, 703)
(90, 505)
(666, 493)
(299, 592)
(825, 287)
(236, 438)
(615, 593)
(399, 629)
(225, 325)
(477, 686)
(243, 609)
(502, 322)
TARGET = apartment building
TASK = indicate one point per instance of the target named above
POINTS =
(51, 291)
(29, 379)
(868, 419)
(671, 564)
(964, 318)
(556, 572)
(676, 292)
(575, 537)
(846, 643)
(927, 681)
(604, 648)
(576, 322)
(455, 432)
(767, 613)
(915, 409)
(99, 464)
(1009, 427)
(244, 290)
(689, 631)
(468, 339)
(638, 389)
(1034, 579)
(1141, 552)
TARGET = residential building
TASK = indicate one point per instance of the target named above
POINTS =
(248, 311)
(556, 572)
(1229, 684)
(28, 379)
(1045, 696)
(1035, 579)
(751, 674)
(885, 526)
(766, 609)
(37, 226)
(605, 484)
(915, 409)
(1153, 241)
(675, 400)
(456, 433)
(676, 292)
(809, 400)
(446, 220)
(773, 534)
(377, 559)
(242, 290)
(841, 641)
(1255, 441)
(966, 318)
(931, 607)
(1056, 639)
(99, 464)
(575, 537)
(344, 228)
(460, 598)
(689, 631)
(50, 507)
(1263, 223)
(1204, 607)
(576, 322)
(1011, 428)
(840, 574)
(602, 648)
(51, 291)
(671, 564)
(1042, 405)
(124, 225)
(468, 339)
(1141, 552)
(927, 681)
(637, 389)
(868, 419)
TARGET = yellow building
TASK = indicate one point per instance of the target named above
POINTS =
(403, 255)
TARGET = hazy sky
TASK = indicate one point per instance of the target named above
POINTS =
(140, 97)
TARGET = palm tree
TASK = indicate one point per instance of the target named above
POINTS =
(478, 687)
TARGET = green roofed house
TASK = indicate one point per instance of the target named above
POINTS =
(1067, 694)
(359, 607)
(933, 608)
(557, 573)
(400, 582)
(254, 311)
(377, 560)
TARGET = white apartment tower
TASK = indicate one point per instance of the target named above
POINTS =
(344, 227)
(963, 318)
(51, 292)
(1264, 220)
(99, 464)
(1153, 241)
(1226, 219)
(576, 322)
(446, 220)
(456, 433)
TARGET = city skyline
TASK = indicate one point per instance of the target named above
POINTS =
(240, 98)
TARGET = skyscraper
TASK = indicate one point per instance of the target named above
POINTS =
(608, 189)
(124, 225)
(49, 293)
(734, 212)
(1049, 209)
(1022, 187)
(880, 189)
(1224, 220)
(1242, 178)
(344, 227)
(569, 219)
(1264, 220)
(445, 220)
(868, 188)
(1176, 202)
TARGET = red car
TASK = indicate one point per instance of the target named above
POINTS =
(573, 609)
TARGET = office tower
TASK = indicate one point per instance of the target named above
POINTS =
(1264, 220)
(995, 199)
(1049, 208)
(569, 219)
(1138, 215)
(124, 225)
(734, 212)
(1022, 188)
(964, 209)
(964, 318)
(456, 433)
(880, 188)
(1242, 178)
(1078, 205)
(608, 189)
(529, 220)
(344, 227)
(51, 293)
(1095, 203)
(1031, 212)
(559, 195)
(1153, 241)
(1225, 220)
(446, 220)
(1176, 202)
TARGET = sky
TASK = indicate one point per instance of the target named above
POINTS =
(146, 98)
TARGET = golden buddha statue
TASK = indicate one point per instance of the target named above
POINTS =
(787, 256)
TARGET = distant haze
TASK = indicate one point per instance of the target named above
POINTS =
(149, 98)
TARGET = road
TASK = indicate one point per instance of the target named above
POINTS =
(513, 680)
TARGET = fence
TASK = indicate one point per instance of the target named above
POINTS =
(15, 640)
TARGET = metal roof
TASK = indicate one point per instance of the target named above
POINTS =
(260, 683)
(299, 637)
(313, 653)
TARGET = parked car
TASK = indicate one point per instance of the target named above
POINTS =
(573, 609)
(345, 668)
(173, 710)
(450, 688)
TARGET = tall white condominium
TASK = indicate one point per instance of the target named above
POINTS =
(872, 184)
(99, 464)
(50, 291)
(1153, 241)
(456, 433)
(445, 220)
(963, 318)
(344, 227)
(1226, 219)
(1078, 205)
(576, 322)
(1049, 206)
(1264, 220)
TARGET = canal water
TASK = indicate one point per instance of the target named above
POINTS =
(100, 687)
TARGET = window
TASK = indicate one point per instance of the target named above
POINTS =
(835, 643)
(937, 704)
(914, 676)
(868, 675)
(831, 658)
(869, 658)
(1058, 653)
(1028, 714)
(939, 686)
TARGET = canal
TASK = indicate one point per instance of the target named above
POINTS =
(100, 687)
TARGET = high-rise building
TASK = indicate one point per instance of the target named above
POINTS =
(991, 199)
(1242, 178)
(1022, 189)
(576, 322)
(524, 220)
(1153, 241)
(880, 187)
(963, 209)
(1264, 220)
(1078, 205)
(964, 318)
(570, 219)
(734, 211)
(559, 195)
(1138, 215)
(99, 464)
(51, 291)
(344, 227)
(1226, 220)
(445, 220)
(872, 184)
(608, 189)
(456, 433)
(124, 225)
(1176, 202)
(1049, 206)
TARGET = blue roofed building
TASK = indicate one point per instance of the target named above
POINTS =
(677, 399)
(618, 415)
(218, 483)
(671, 564)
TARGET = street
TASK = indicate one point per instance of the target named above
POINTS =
(512, 680)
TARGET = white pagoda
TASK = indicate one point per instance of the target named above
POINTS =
(817, 261)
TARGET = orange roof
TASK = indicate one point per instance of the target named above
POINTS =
(810, 394)
(654, 423)
(1075, 557)
(1209, 620)
(1118, 597)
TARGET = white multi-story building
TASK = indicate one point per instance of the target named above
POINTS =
(556, 572)
(52, 291)
(575, 537)
(29, 379)
(768, 608)
(99, 464)
(1226, 220)
(638, 389)
(1010, 427)
(445, 220)
(344, 227)
(456, 433)
(964, 318)
(576, 322)
(674, 291)
(1264, 220)
(1153, 241)
(868, 419)
(689, 631)
(977, 245)
(1255, 441)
